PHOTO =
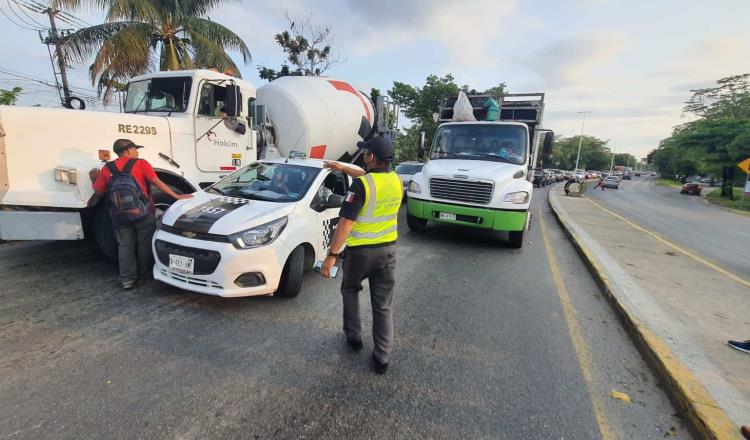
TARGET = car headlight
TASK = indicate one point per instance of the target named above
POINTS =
(415, 187)
(259, 235)
(519, 197)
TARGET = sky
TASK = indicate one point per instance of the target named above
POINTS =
(631, 63)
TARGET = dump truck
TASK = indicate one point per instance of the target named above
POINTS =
(479, 172)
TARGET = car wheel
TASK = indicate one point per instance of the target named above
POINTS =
(416, 224)
(515, 238)
(682, 192)
(104, 233)
(291, 277)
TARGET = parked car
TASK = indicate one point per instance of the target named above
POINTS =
(541, 177)
(627, 177)
(406, 170)
(692, 188)
(612, 182)
(637, 174)
(653, 174)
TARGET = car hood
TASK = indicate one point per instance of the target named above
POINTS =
(473, 169)
(223, 215)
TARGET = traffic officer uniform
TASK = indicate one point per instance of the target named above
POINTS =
(372, 203)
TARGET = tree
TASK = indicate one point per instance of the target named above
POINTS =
(9, 97)
(407, 144)
(141, 35)
(307, 50)
(595, 155)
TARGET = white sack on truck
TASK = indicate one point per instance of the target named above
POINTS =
(462, 109)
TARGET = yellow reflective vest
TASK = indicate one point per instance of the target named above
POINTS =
(376, 221)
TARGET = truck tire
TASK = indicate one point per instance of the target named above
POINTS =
(104, 233)
(515, 238)
(416, 224)
(291, 277)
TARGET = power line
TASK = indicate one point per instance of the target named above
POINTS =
(30, 21)
(22, 8)
(11, 20)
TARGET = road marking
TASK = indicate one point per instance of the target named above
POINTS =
(575, 332)
(695, 257)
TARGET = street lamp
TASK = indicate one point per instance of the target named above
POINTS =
(580, 139)
(612, 164)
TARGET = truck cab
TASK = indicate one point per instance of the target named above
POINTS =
(478, 173)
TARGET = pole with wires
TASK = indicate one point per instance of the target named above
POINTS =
(54, 39)
(580, 139)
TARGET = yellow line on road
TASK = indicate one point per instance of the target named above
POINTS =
(575, 333)
(695, 257)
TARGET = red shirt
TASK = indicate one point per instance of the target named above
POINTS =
(142, 172)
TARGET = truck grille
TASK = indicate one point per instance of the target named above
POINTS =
(461, 190)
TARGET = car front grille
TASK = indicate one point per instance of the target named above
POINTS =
(461, 190)
(206, 261)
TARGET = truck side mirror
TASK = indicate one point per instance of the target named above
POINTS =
(232, 101)
(420, 149)
(549, 138)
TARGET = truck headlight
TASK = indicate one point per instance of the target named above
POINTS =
(66, 175)
(414, 187)
(259, 235)
(519, 197)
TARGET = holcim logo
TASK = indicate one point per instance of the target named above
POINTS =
(223, 143)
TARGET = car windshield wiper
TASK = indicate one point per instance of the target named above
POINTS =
(217, 190)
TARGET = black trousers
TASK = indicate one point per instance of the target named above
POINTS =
(378, 265)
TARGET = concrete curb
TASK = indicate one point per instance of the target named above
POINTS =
(701, 412)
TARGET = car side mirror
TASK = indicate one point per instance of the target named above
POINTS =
(334, 201)
(420, 149)
(232, 101)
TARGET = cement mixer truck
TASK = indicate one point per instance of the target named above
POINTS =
(196, 126)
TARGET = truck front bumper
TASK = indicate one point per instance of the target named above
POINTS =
(497, 219)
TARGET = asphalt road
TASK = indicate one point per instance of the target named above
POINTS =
(489, 345)
(714, 233)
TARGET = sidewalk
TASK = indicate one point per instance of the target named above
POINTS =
(679, 309)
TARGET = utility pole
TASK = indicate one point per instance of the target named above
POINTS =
(611, 165)
(54, 38)
(580, 139)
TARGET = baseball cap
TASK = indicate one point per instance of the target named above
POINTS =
(121, 145)
(381, 147)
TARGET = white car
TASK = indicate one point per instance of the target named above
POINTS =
(252, 233)
(406, 170)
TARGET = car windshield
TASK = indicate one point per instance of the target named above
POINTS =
(273, 182)
(499, 143)
(405, 168)
(158, 95)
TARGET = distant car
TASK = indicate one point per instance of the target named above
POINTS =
(706, 180)
(692, 188)
(652, 174)
(627, 177)
(612, 182)
(406, 170)
(541, 177)
(637, 174)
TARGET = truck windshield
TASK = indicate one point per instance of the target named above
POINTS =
(273, 182)
(158, 95)
(494, 142)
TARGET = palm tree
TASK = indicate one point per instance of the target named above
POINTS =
(139, 35)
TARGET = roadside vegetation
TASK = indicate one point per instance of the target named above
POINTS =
(715, 140)
(738, 204)
(668, 182)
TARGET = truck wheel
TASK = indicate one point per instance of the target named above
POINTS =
(416, 224)
(515, 238)
(291, 277)
(104, 233)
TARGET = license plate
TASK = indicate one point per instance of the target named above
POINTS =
(181, 264)
(447, 216)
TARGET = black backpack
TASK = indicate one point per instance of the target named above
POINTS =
(127, 203)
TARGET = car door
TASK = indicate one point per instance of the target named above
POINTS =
(334, 184)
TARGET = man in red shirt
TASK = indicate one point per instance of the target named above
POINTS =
(134, 239)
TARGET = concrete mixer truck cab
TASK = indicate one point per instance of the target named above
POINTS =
(254, 232)
(478, 172)
(196, 126)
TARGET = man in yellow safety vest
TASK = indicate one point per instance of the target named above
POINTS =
(368, 226)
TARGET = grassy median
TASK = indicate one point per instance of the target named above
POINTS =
(668, 182)
(738, 204)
